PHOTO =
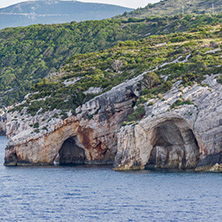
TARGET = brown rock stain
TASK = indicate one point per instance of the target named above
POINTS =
(86, 137)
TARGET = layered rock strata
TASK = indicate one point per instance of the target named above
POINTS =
(47, 138)
(184, 136)
(182, 130)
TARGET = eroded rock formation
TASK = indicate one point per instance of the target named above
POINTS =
(43, 139)
(187, 136)
(71, 153)
(174, 145)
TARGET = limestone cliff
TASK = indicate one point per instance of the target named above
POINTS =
(47, 138)
(2, 122)
(181, 130)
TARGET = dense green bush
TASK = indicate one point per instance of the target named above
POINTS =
(161, 88)
(151, 79)
(138, 114)
(36, 125)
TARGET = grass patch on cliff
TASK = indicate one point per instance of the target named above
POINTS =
(180, 102)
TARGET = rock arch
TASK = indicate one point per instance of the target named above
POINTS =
(173, 145)
(71, 153)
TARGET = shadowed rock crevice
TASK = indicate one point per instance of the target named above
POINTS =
(11, 159)
(174, 146)
(70, 153)
(211, 160)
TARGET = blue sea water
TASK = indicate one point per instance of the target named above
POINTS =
(96, 193)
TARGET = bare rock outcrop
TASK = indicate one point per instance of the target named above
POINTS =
(2, 122)
(46, 138)
(183, 130)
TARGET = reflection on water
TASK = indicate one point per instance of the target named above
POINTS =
(96, 193)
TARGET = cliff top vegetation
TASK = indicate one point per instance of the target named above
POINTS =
(29, 54)
(174, 7)
(165, 59)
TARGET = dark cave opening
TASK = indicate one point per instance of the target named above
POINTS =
(174, 147)
(71, 154)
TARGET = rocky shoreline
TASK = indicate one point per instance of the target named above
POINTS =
(184, 136)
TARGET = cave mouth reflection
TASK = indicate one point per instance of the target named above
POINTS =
(174, 146)
(71, 154)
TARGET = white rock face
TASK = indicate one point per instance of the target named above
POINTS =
(213, 51)
(187, 136)
(37, 140)
(71, 82)
(93, 90)
(3, 121)
(180, 137)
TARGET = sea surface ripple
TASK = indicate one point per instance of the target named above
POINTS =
(96, 193)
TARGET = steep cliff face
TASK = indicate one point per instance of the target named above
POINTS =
(182, 130)
(90, 136)
(2, 126)
(2, 123)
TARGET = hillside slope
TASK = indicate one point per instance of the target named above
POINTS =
(29, 54)
(52, 12)
(173, 7)
(188, 57)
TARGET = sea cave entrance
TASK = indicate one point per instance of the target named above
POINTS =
(71, 153)
(174, 146)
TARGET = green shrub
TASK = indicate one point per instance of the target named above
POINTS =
(160, 89)
(45, 128)
(219, 80)
(151, 79)
(36, 125)
(138, 114)
(64, 115)
(36, 131)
